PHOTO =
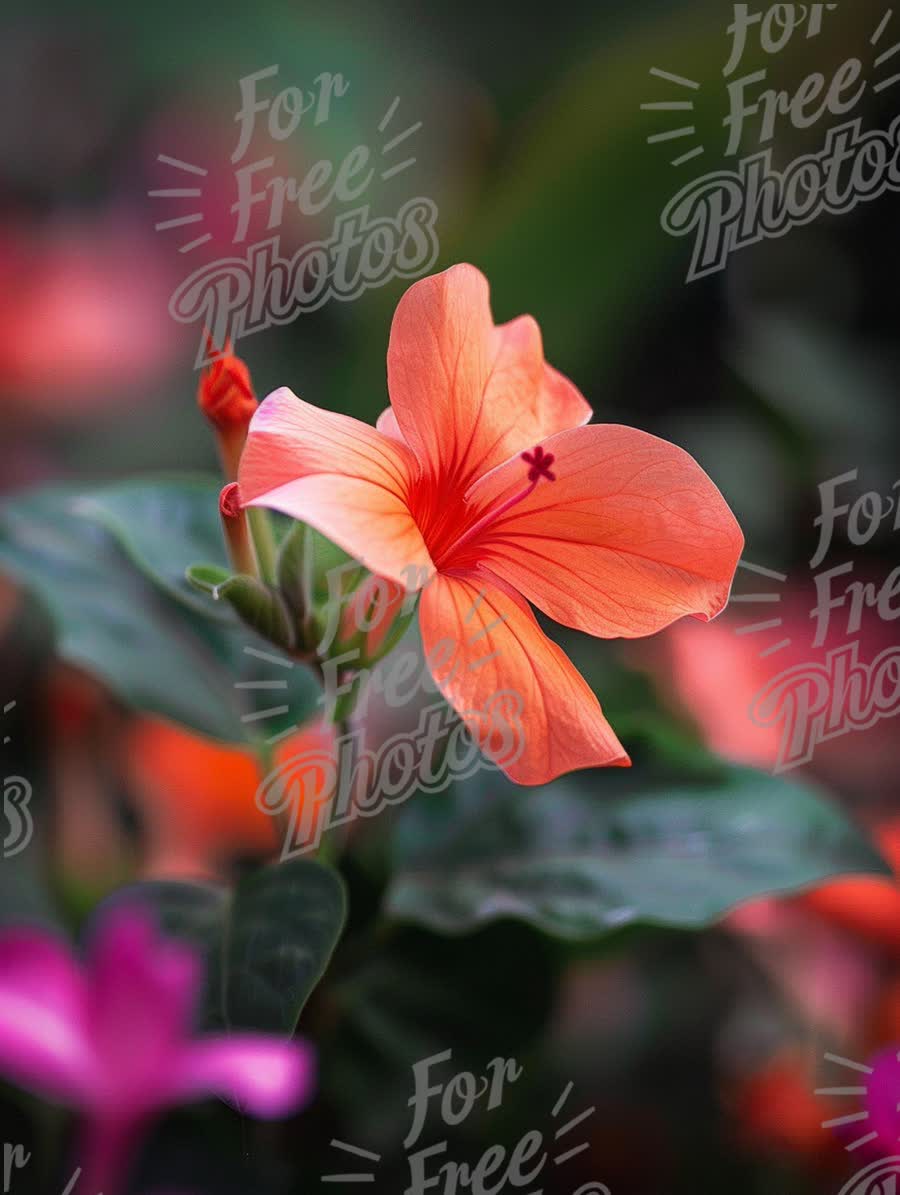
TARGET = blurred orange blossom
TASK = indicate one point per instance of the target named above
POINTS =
(197, 797)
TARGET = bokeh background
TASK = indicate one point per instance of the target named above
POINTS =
(700, 1052)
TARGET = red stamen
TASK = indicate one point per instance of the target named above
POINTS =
(540, 463)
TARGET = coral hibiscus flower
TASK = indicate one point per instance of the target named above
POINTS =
(482, 487)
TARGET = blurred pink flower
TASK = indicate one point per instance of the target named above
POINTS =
(113, 1039)
(716, 675)
(883, 1100)
(201, 130)
(83, 314)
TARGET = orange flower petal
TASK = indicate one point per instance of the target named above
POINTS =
(388, 426)
(197, 798)
(339, 475)
(630, 536)
(528, 399)
(481, 642)
(466, 394)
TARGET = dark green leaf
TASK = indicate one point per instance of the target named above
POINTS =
(155, 652)
(163, 525)
(416, 995)
(284, 926)
(265, 946)
(591, 853)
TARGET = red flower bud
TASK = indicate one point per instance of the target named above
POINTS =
(225, 395)
(226, 398)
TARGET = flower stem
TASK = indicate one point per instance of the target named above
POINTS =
(334, 838)
(263, 543)
(236, 530)
(265, 755)
(106, 1154)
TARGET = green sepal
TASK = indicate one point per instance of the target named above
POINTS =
(255, 604)
(207, 577)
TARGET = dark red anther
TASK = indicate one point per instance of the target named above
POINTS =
(540, 463)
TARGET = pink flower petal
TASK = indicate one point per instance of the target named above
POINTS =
(883, 1098)
(142, 992)
(484, 647)
(42, 1017)
(468, 395)
(260, 1075)
(630, 536)
(339, 475)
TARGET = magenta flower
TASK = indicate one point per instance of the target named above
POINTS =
(113, 1038)
(882, 1102)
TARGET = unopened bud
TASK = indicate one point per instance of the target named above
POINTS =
(226, 398)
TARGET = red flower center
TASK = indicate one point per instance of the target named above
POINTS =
(448, 524)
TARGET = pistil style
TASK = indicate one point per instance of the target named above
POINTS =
(539, 463)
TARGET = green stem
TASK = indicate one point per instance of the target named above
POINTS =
(263, 543)
(334, 838)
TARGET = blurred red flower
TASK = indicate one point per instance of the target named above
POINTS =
(775, 1109)
(866, 906)
(83, 315)
(714, 673)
